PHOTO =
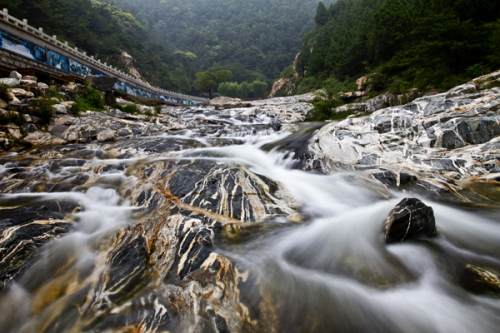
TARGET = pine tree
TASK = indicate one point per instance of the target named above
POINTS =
(322, 14)
(319, 54)
(392, 25)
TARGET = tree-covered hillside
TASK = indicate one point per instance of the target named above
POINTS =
(402, 44)
(104, 31)
(255, 39)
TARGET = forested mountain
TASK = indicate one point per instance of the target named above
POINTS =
(104, 31)
(401, 43)
(255, 39)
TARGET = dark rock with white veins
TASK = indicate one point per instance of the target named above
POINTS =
(410, 219)
(23, 230)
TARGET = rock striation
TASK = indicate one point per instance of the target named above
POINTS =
(410, 219)
(436, 143)
(172, 191)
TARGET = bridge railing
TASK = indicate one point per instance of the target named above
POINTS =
(38, 33)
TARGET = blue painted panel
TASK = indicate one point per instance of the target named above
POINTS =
(17, 45)
(78, 68)
(58, 61)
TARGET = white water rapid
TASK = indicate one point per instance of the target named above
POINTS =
(332, 272)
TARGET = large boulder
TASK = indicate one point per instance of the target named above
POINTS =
(42, 139)
(283, 86)
(18, 92)
(106, 135)
(11, 82)
(19, 107)
(410, 219)
(16, 75)
(30, 78)
(28, 83)
(102, 83)
(4, 115)
(31, 102)
(61, 108)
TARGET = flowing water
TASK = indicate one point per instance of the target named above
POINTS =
(77, 221)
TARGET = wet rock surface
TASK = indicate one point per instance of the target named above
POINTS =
(410, 219)
(190, 221)
(481, 280)
(159, 264)
(444, 140)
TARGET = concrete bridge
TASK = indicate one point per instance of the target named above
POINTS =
(31, 51)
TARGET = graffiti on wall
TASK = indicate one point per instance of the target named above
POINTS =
(79, 69)
(120, 86)
(57, 61)
(27, 49)
(22, 47)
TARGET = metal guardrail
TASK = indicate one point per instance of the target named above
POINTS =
(52, 40)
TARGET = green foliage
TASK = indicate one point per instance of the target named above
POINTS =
(131, 108)
(205, 81)
(494, 57)
(315, 115)
(326, 100)
(308, 84)
(148, 113)
(77, 108)
(230, 89)
(104, 30)
(392, 26)
(322, 14)
(259, 89)
(253, 39)
(243, 90)
(402, 44)
(223, 75)
(52, 92)
(287, 72)
(45, 111)
(92, 99)
(157, 109)
(4, 90)
(320, 52)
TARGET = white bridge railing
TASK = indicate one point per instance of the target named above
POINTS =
(38, 33)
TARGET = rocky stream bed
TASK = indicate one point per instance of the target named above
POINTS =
(243, 218)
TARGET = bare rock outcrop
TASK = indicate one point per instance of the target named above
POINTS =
(283, 86)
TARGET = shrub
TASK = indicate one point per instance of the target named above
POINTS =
(148, 113)
(4, 90)
(77, 108)
(52, 92)
(325, 101)
(259, 88)
(93, 98)
(157, 109)
(288, 72)
(45, 110)
(131, 108)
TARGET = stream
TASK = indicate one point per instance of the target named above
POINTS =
(218, 229)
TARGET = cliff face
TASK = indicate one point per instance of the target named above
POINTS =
(285, 86)
(128, 61)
